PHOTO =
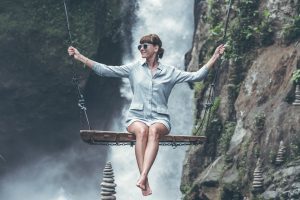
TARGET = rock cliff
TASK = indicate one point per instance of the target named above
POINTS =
(253, 112)
(39, 112)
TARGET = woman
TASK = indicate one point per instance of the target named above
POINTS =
(151, 84)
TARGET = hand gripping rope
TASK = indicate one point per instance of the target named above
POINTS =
(211, 93)
(75, 79)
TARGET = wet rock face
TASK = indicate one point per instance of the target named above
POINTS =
(281, 11)
(284, 182)
(262, 111)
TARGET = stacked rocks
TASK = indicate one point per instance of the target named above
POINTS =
(258, 179)
(108, 185)
(280, 154)
(297, 96)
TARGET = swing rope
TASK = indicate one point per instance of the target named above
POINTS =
(75, 78)
(211, 94)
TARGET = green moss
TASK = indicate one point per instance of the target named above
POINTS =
(227, 133)
(216, 105)
(242, 161)
(198, 89)
(185, 188)
(204, 122)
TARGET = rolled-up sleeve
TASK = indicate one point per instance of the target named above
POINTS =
(183, 76)
(112, 71)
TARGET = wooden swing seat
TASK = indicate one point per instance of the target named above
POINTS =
(123, 138)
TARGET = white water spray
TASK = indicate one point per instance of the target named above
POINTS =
(173, 22)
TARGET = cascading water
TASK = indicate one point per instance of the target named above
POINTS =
(173, 22)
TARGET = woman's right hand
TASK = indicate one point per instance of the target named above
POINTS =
(74, 52)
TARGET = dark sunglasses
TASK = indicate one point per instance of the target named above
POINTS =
(145, 45)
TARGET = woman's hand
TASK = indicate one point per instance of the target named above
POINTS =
(219, 51)
(74, 52)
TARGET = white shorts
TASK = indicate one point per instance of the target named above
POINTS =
(149, 123)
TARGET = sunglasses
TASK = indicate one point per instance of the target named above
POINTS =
(144, 45)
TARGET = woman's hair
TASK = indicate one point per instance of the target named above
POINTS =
(155, 40)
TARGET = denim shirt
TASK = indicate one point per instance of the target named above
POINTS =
(150, 92)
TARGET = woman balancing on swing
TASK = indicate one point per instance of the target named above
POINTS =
(151, 83)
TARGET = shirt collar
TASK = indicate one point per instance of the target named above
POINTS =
(160, 66)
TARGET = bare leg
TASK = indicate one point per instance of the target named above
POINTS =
(155, 132)
(141, 133)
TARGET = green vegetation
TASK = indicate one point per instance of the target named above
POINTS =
(231, 191)
(214, 108)
(243, 157)
(39, 27)
(296, 76)
(260, 121)
(185, 188)
(216, 105)
(249, 28)
(199, 88)
(291, 31)
(227, 133)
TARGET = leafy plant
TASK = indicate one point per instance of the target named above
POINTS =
(296, 76)
(291, 31)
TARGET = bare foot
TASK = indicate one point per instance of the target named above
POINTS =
(148, 190)
(142, 182)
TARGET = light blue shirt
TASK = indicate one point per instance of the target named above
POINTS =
(150, 92)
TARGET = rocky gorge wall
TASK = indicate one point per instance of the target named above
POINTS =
(253, 112)
(38, 105)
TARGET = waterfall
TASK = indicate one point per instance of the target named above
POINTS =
(173, 22)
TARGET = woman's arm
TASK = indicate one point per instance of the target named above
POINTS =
(77, 56)
(99, 68)
(183, 76)
(219, 51)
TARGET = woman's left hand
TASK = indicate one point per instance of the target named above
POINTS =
(219, 51)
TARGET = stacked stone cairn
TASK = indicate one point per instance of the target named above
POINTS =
(280, 154)
(258, 179)
(297, 96)
(108, 186)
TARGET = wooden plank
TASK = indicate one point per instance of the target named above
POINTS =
(123, 138)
